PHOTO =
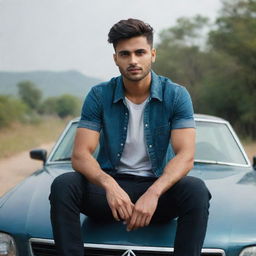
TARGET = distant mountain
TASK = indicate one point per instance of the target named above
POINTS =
(49, 82)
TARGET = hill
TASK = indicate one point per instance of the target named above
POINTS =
(50, 82)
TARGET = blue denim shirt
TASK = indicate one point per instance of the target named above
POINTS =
(104, 110)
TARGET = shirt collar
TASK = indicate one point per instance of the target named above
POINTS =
(155, 88)
(119, 90)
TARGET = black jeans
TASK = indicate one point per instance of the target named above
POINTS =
(71, 194)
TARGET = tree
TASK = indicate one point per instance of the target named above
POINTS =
(235, 31)
(63, 106)
(67, 105)
(49, 106)
(30, 94)
(11, 110)
(234, 35)
(221, 75)
(179, 52)
(187, 32)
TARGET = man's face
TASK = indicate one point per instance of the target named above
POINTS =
(134, 58)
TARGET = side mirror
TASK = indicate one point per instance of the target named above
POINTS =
(38, 154)
(254, 163)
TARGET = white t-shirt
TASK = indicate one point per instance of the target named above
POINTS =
(135, 159)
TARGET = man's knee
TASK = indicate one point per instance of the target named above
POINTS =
(196, 192)
(63, 184)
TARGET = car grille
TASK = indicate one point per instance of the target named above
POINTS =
(49, 249)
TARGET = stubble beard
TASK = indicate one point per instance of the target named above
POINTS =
(136, 78)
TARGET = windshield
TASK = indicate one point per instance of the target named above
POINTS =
(65, 147)
(214, 143)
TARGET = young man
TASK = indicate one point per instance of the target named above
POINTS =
(134, 117)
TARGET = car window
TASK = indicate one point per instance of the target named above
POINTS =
(214, 142)
(64, 149)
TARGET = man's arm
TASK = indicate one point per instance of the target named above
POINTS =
(183, 142)
(86, 141)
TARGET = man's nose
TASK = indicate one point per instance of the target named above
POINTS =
(133, 59)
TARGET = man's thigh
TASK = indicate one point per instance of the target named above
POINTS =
(137, 186)
(170, 204)
(188, 193)
(95, 202)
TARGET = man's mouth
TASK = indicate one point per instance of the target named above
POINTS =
(132, 69)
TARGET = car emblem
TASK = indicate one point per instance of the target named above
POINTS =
(128, 253)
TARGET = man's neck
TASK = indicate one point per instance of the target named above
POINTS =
(137, 91)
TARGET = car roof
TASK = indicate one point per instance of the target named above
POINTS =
(209, 118)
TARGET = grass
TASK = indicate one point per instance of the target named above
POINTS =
(21, 137)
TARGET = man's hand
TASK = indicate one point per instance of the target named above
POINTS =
(143, 210)
(183, 143)
(119, 202)
(85, 144)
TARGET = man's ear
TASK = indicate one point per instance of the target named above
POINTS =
(153, 53)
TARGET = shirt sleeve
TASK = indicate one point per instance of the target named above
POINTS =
(91, 115)
(183, 110)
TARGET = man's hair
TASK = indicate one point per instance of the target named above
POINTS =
(125, 29)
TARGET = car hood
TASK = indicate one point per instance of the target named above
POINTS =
(233, 204)
(26, 209)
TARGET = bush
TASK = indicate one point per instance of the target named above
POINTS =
(68, 105)
(30, 94)
(49, 106)
(63, 106)
(11, 110)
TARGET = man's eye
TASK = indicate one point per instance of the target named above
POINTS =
(140, 52)
(124, 53)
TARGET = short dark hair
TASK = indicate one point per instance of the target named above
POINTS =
(125, 29)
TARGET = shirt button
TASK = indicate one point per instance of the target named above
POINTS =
(126, 113)
(150, 146)
(118, 154)
(122, 144)
(125, 128)
(146, 125)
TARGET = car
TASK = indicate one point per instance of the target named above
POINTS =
(220, 160)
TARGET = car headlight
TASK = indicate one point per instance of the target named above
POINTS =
(7, 245)
(249, 251)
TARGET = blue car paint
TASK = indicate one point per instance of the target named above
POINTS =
(231, 224)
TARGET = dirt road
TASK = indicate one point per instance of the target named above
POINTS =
(14, 169)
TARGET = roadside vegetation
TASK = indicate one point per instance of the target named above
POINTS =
(20, 137)
(30, 107)
(28, 120)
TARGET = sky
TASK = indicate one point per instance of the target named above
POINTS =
(61, 35)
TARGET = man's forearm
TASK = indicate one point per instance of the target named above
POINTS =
(175, 169)
(90, 168)
(118, 200)
(146, 205)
